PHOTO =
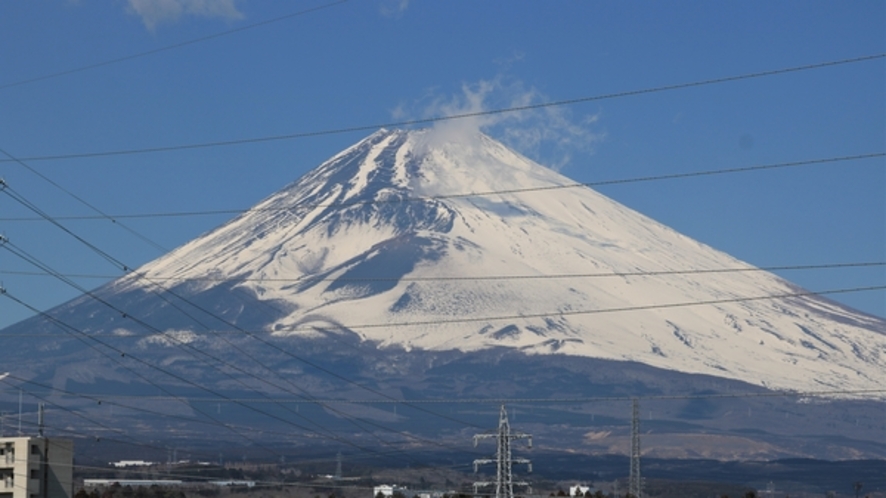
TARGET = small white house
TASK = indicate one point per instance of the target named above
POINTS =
(579, 490)
(388, 490)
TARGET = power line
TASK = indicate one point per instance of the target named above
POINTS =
(106, 399)
(184, 345)
(604, 310)
(237, 431)
(125, 268)
(169, 47)
(210, 456)
(12, 248)
(446, 321)
(91, 420)
(32, 260)
(6, 189)
(4, 243)
(674, 176)
(82, 336)
(424, 121)
(463, 320)
(85, 203)
(79, 334)
(651, 273)
(527, 401)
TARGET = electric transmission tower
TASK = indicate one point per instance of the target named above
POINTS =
(635, 483)
(504, 461)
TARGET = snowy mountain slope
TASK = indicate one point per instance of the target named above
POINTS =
(379, 241)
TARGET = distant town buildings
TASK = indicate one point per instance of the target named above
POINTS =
(132, 463)
(393, 490)
(36, 467)
(91, 483)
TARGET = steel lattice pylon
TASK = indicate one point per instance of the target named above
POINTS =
(504, 461)
(635, 484)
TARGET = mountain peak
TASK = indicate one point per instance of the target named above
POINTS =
(495, 283)
(428, 239)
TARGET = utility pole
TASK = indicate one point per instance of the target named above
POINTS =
(337, 476)
(504, 461)
(40, 409)
(635, 484)
(44, 453)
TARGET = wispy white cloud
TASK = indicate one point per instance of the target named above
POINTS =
(549, 135)
(505, 63)
(155, 12)
(393, 8)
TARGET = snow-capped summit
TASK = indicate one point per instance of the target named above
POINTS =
(419, 240)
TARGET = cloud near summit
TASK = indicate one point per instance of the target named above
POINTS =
(155, 12)
(549, 135)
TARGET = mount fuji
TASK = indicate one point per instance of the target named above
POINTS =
(428, 265)
(382, 242)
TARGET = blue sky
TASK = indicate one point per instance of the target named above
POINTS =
(362, 62)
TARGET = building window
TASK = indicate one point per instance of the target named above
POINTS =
(35, 450)
(35, 473)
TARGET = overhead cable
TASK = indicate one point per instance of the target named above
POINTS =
(82, 336)
(562, 313)
(108, 400)
(504, 400)
(168, 47)
(321, 431)
(554, 276)
(674, 176)
(85, 203)
(22, 254)
(425, 121)
(443, 321)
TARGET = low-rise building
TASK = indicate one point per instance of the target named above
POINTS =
(36, 467)
(388, 490)
(393, 490)
(580, 490)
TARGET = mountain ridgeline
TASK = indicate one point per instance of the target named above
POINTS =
(421, 264)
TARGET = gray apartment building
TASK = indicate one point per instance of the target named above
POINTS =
(36, 467)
